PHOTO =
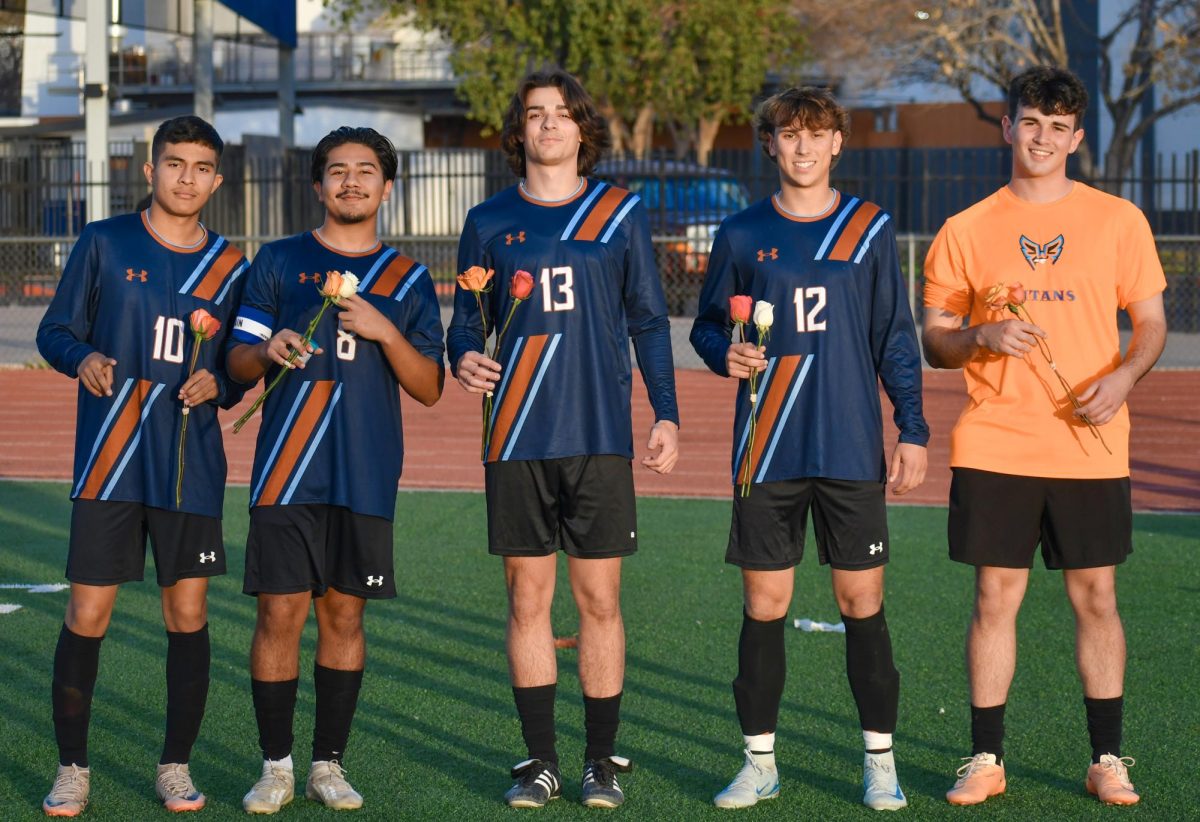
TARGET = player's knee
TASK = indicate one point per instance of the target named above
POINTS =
(603, 608)
(186, 617)
(1096, 602)
(528, 611)
(87, 618)
(860, 604)
(281, 615)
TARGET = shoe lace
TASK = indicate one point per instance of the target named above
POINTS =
(69, 785)
(974, 763)
(336, 773)
(276, 777)
(176, 781)
(1119, 766)
(876, 764)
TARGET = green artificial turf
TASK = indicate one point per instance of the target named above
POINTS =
(436, 731)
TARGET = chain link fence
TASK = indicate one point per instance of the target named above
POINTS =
(31, 266)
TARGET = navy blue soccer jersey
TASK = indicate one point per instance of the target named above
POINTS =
(331, 432)
(128, 295)
(566, 373)
(842, 324)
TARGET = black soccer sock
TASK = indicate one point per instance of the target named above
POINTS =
(758, 688)
(274, 707)
(1104, 718)
(535, 707)
(76, 661)
(337, 699)
(601, 718)
(874, 680)
(987, 731)
(187, 691)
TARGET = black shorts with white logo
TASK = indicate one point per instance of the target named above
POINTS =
(108, 543)
(849, 520)
(297, 548)
(998, 520)
(582, 505)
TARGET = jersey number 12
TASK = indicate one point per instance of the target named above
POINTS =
(810, 302)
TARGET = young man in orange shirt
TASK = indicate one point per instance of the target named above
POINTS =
(1028, 466)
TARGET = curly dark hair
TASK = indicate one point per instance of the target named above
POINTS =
(186, 129)
(805, 106)
(593, 128)
(1049, 89)
(385, 152)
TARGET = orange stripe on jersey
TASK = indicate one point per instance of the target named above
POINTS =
(387, 281)
(853, 232)
(601, 211)
(118, 438)
(210, 286)
(302, 429)
(514, 395)
(771, 404)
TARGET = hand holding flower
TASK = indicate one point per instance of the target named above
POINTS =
(364, 320)
(199, 387)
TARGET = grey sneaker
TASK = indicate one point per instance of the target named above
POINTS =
(753, 782)
(69, 796)
(327, 784)
(600, 788)
(537, 782)
(274, 789)
(175, 790)
(881, 786)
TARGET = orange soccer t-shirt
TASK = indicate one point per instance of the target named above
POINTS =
(1080, 259)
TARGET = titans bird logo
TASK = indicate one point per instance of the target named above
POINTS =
(1036, 255)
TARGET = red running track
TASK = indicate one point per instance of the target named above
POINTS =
(37, 430)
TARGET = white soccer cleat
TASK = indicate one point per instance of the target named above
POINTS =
(69, 796)
(881, 786)
(173, 784)
(327, 784)
(753, 782)
(274, 789)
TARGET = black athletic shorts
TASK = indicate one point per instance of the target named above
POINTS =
(296, 548)
(999, 519)
(849, 519)
(108, 543)
(583, 505)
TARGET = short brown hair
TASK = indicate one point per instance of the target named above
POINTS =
(593, 128)
(1049, 89)
(807, 107)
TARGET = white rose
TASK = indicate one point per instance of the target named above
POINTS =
(764, 314)
(349, 286)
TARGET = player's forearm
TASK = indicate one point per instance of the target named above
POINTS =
(653, 350)
(1145, 347)
(62, 349)
(420, 377)
(950, 347)
(247, 363)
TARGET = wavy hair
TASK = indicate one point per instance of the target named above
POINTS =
(593, 128)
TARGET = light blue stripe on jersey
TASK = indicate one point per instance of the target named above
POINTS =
(582, 210)
(833, 230)
(203, 265)
(787, 410)
(409, 282)
(762, 389)
(867, 242)
(108, 489)
(634, 200)
(237, 272)
(312, 448)
(287, 427)
(508, 370)
(112, 413)
(537, 383)
(383, 258)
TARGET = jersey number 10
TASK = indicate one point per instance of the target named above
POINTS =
(168, 339)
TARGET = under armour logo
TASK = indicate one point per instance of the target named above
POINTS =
(211, 556)
(876, 548)
(131, 275)
(375, 582)
(773, 254)
(519, 237)
(309, 278)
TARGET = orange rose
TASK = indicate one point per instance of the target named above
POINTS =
(521, 285)
(996, 297)
(332, 286)
(475, 278)
(740, 307)
(1016, 294)
(204, 324)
